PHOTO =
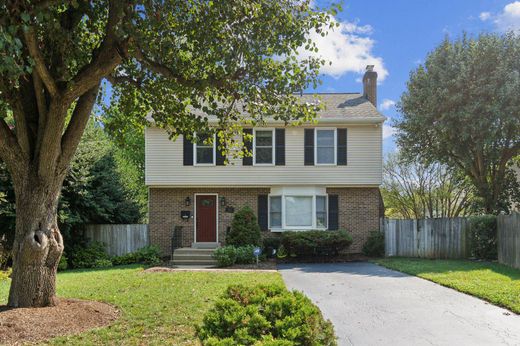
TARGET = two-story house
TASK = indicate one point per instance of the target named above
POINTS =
(322, 176)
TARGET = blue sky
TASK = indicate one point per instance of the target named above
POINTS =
(396, 36)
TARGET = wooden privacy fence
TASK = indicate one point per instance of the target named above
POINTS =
(427, 238)
(508, 227)
(119, 239)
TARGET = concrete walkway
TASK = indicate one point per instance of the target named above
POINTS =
(371, 305)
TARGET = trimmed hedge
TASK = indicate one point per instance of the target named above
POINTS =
(228, 255)
(375, 244)
(482, 233)
(315, 243)
(149, 255)
(265, 315)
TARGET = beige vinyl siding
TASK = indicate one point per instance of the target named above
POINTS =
(164, 163)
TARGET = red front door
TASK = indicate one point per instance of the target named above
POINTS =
(206, 221)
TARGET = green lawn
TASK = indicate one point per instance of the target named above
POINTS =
(493, 282)
(157, 308)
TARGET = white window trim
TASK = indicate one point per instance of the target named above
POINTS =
(273, 144)
(316, 146)
(214, 154)
(284, 226)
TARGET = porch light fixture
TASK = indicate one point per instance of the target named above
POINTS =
(222, 201)
(187, 202)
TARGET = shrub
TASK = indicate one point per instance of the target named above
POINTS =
(482, 231)
(88, 256)
(316, 243)
(149, 255)
(63, 265)
(244, 254)
(270, 245)
(102, 263)
(5, 274)
(265, 315)
(244, 229)
(228, 255)
(375, 244)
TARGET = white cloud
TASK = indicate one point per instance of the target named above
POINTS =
(348, 48)
(507, 19)
(485, 16)
(386, 104)
(388, 131)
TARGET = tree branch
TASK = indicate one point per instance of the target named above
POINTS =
(9, 148)
(109, 55)
(41, 68)
(77, 125)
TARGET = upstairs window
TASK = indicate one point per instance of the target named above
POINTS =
(204, 151)
(263, 141)
(325, 147)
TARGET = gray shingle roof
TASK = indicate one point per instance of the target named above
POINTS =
(344, 106)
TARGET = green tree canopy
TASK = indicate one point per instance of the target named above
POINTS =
(462, 109)
(176, 62)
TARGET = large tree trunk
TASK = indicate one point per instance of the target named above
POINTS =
(38, 242)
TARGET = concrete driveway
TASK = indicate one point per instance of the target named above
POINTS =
(371, 305)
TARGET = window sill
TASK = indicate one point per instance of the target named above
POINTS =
(281, 230)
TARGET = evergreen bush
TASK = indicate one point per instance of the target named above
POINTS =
(244, 229)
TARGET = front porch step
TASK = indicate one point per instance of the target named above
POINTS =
(193, 256)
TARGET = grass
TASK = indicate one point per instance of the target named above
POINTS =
(157, 308)
(493, 282)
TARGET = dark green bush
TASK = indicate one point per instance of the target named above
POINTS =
(90, 256)
(63, 265)
(244, 229)
(265, 315)
(375, 244)
(228, 255)
(149, 255)
(316, 243)
(482, 232)
(271, 244)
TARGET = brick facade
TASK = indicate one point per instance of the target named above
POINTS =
(359, 210)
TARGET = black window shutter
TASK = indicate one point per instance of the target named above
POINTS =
(220, 159)
(262, 212)
(280, 147)
(309, 147)
(248, 160)
(333, 212)
(188, 152)
(342, 147)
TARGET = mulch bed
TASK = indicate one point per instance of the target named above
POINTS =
(69, 316)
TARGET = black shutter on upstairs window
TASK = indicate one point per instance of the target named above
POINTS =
(280, 147)
(262, 212)
(248, 160)
(309, 147)
(333, 212)
(342, 147)
(187, 152)
(220, 159)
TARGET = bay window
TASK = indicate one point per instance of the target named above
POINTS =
(298, 212)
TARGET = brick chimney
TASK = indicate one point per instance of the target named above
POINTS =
(370, 85)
